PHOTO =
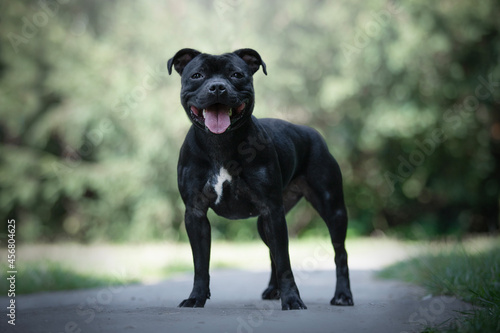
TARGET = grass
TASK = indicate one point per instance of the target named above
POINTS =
(469, 271)
(52, 276)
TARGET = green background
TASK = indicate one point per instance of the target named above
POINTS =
(407, 95)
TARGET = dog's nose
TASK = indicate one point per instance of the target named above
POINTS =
(217, 88)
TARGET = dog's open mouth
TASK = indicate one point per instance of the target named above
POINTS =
(217, 117)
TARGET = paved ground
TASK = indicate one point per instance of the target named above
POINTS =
(380, 306)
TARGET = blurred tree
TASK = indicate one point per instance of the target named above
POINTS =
(84, 148)
(407, 95)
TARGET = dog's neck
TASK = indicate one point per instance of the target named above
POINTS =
(223, 147)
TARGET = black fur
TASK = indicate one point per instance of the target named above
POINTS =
(255, 167)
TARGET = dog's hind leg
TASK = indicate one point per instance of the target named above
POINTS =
(325, 193)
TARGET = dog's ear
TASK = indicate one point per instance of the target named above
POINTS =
(252, 58)
(181, 59)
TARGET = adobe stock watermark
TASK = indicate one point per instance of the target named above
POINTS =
(323, 252)
(428, 315)
(372, 29)
(73, 158)
(88, 309)
(224, 7)
(256, 318)
(452, 118)
(31, 25)
(247, 152)
(151, 81)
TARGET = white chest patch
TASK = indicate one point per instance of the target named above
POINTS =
(222, 177)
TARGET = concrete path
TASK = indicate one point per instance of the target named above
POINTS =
(380, 306)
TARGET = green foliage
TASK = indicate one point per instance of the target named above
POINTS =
(91, 124)
(51, 276)
(470, 275)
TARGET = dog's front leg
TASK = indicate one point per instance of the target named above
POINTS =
(276, 232)
(198, 230)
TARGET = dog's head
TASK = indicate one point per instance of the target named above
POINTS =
(217, 90)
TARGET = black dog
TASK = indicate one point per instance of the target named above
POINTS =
(241, 167)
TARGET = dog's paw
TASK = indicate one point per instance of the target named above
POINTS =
(271, 292)
(192, 303)
(292, 302)
(342, 299)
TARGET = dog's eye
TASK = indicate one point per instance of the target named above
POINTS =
(196, 76)
(237, 75)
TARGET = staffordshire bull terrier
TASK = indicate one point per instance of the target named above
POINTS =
(240, 167)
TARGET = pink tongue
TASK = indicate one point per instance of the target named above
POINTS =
(217, 119)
